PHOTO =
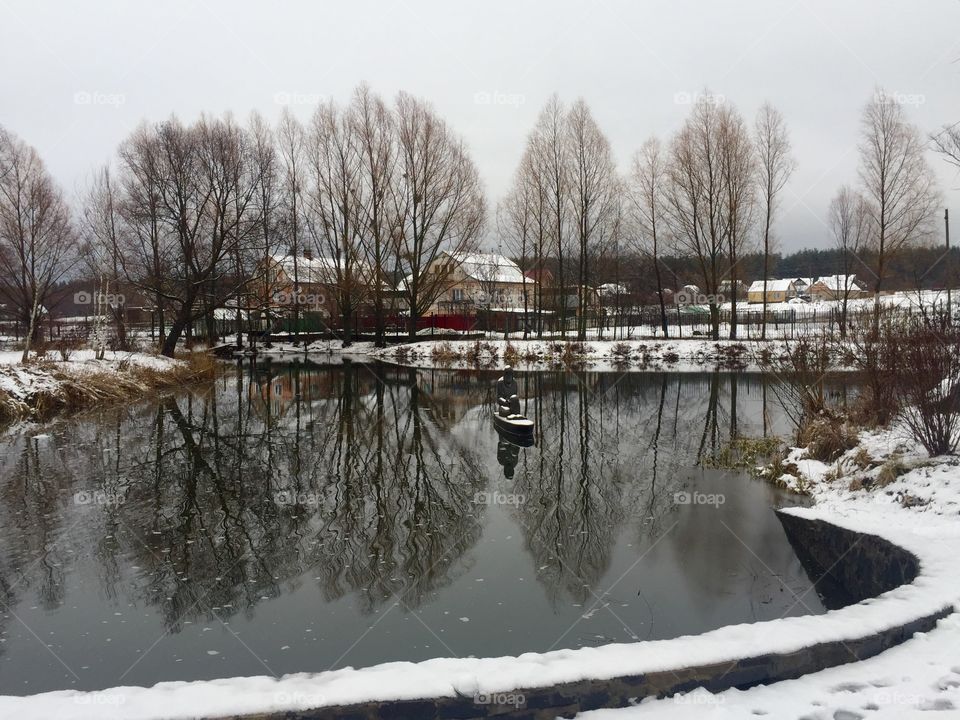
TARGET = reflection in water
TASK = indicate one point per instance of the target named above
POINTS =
(311, 516)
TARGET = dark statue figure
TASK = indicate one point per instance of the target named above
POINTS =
(507, 401)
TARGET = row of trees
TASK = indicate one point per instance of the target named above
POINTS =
(193, 215)
(710, 193)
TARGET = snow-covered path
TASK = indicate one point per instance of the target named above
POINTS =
(919, 676)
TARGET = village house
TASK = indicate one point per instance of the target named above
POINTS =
(481, 281)
(836, 287)
(802, 285)
(309, 284)
(730, 290)
(777, 291)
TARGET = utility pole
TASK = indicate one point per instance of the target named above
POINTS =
(946, 229)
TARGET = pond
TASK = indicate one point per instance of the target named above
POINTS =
(303, 517)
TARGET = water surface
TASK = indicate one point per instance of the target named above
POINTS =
(305, 517)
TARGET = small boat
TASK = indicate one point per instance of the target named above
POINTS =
(513, 424)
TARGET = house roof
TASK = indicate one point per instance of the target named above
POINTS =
(487, 267)
(838, 283)
(773, 285)
(320, 270)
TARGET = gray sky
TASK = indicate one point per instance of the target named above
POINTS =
(77, 77)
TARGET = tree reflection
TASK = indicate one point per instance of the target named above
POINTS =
(359, 478)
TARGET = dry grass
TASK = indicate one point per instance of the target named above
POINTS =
(68, 390)
(826, 437)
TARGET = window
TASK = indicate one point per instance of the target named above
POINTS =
(458, 294)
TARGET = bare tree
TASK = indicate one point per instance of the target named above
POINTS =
(291, 141)
(848, 217)
(551, 159)
(376, 137)
(441, 202)
(267, 170)
(737, 163)
(103, 245)
(775, 165)
(947, 143)
(697, 198)
(517, 225)
(897, 182)
(648, 177)
(191, 199)
(37, 239)
(336, 164)
(593, 195)
(147, 248)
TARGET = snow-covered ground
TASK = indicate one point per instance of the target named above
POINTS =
(676, 355)
(21, 385)
(918, 511)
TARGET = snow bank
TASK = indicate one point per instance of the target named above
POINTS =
(43, 383)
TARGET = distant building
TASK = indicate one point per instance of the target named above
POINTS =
(481, 281)
(777, 291)
(836, 287)
(730, 290)
(802, 284)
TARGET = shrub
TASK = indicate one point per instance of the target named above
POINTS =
(826, 437)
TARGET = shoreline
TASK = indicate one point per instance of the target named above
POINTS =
(44, 389)
(657, 354)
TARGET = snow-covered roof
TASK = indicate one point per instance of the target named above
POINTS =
(838, 283)
(773, 285)
(314, 269)
(804, 281)
(612, 289)
(487, 267)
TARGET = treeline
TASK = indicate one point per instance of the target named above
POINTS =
(193, 214)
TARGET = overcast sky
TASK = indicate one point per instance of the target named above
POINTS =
(77, 77)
